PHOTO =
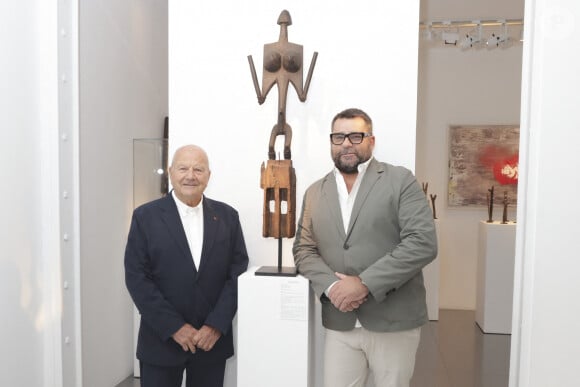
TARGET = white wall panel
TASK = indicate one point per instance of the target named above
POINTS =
(29, 291)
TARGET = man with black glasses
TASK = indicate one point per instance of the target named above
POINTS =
(364, 234)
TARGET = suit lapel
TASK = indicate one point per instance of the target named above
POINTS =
(170, 216)
(330, 194)
(372, 175)
(210, 227)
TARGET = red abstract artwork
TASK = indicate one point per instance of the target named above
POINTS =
(481, 157)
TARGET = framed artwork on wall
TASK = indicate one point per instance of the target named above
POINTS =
(481, 157)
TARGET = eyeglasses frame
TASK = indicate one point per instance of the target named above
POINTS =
(347, 135)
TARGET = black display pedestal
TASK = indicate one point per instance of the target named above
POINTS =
(277, 271)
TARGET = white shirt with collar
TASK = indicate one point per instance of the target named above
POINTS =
(346, 201)
(192, 220)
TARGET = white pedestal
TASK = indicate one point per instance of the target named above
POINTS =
(495, 277)
(275, 326)
(431, 280)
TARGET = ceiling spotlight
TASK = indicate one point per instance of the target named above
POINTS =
(471, 38)
(450, 37)
(496, 39)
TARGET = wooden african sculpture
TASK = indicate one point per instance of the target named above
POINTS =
(282, 65)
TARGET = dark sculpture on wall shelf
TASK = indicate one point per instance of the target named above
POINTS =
(282, 65)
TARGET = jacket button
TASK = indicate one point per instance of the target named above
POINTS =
(346, 246)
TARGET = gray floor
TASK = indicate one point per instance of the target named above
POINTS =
(453, 353)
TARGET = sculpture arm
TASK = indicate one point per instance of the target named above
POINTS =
(261, 98)
(308, 77)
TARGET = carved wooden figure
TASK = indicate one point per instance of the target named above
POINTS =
(490, 205)
(283, 64)
(505, 206)
(433, 197)
(278, 181)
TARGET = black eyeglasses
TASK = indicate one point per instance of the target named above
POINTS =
(354, 137)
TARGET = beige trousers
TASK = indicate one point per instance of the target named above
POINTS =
(350, 355)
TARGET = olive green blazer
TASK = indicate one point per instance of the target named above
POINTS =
(390, 238)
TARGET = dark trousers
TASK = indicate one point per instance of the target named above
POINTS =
(197, 374)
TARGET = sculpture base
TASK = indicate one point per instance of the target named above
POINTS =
(277, 271)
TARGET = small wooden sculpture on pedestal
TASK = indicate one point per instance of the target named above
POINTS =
(433, 197)
(283, 64)
(505, 206)
(425, 187)
(490, 205)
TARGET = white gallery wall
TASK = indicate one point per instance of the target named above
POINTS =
(29, 256)
(123, 95)
(545, 333)
(478, 86)
(212, 101)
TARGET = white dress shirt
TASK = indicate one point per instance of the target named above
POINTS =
(346, 199)
(192, 220)
(346, 202)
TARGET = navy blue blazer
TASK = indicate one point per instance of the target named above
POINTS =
(168, 290)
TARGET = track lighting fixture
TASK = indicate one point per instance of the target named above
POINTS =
(471, 38)
(496, 39)
(450, 37)
(470, 34)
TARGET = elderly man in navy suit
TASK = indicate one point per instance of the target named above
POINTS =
(184, 254)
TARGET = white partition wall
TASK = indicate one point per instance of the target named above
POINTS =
(212, 101)
(545, 335)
